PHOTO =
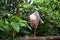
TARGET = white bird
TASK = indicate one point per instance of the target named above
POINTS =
(34, 19)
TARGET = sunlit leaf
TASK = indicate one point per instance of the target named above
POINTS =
(15, 26)
(26, 6)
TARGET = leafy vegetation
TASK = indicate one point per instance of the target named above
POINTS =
(13, 26)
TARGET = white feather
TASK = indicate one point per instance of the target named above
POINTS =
(32, 17)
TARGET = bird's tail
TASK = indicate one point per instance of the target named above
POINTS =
(41, 21)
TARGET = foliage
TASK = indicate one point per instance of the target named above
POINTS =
(13, 23)
(49, 12)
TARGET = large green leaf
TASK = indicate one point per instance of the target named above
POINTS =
(22, 24)
(1, 22)
(25, 24)
(15, 26)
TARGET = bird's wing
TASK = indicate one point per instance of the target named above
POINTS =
(38, 16)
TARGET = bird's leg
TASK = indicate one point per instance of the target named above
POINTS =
(34, 32)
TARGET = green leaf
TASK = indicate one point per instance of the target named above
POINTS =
(22, 24)
(1, 22)
(26, 6)
(6, 22)
(15, 26)
(25, 24)
(38, 1)
(28, 26)
(17, 18)
(20, 9)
